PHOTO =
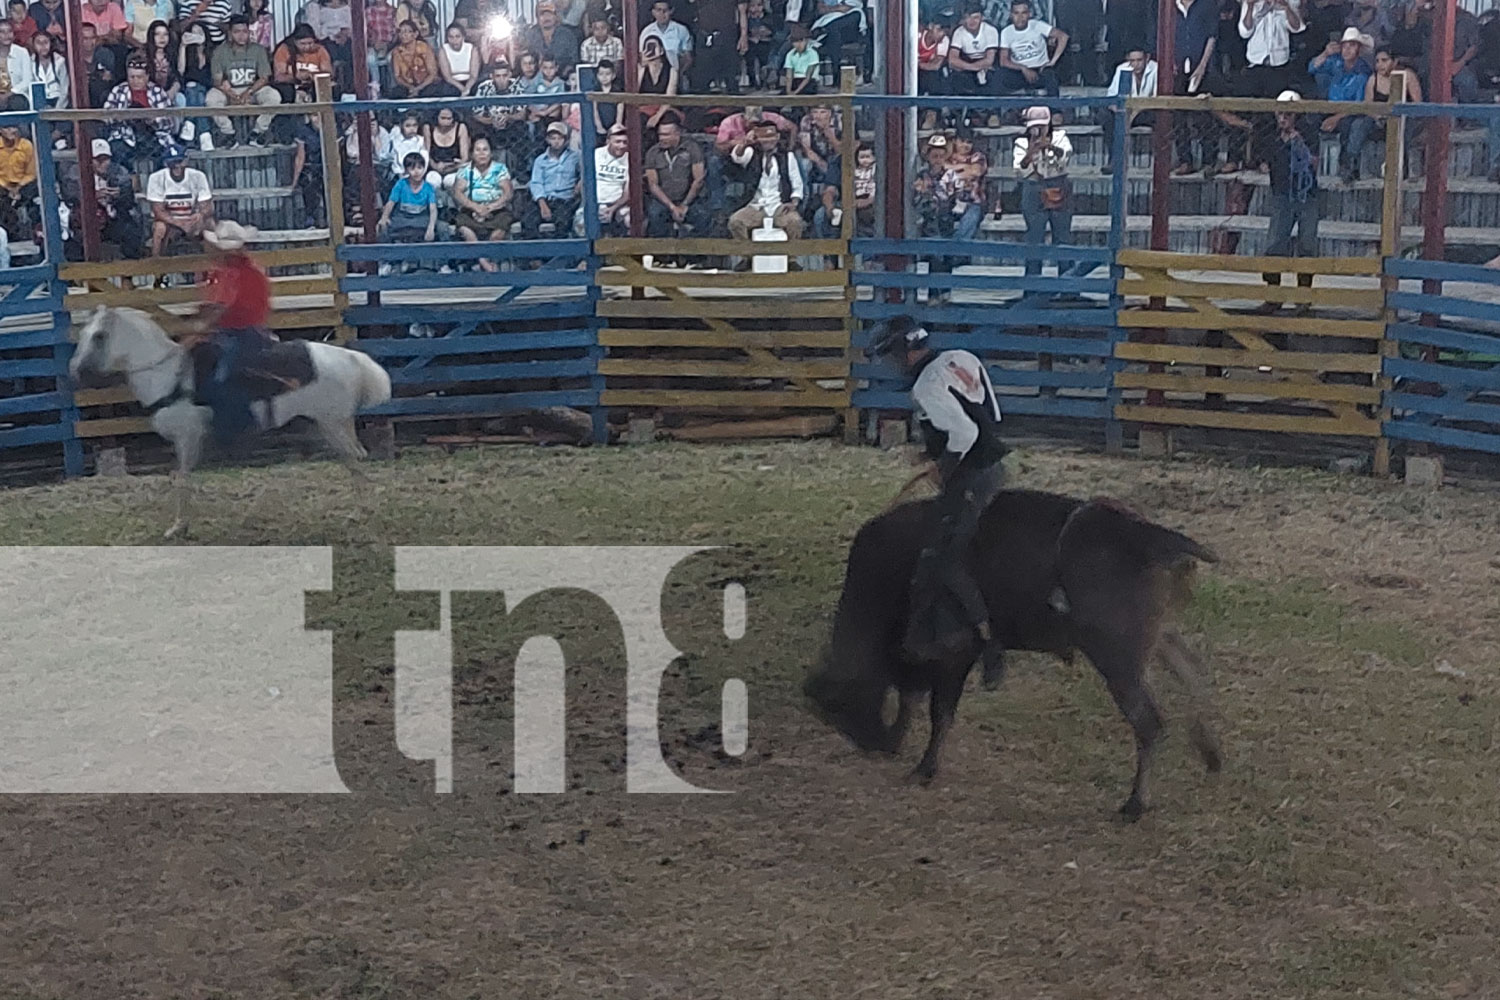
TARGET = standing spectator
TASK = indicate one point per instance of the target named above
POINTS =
(458, 62)
(1293, 196)
(720, 40)
(414, 70)
(483, 192)
(135, 137)
(601, 47)
(1196, 27)
(801, 63)
(556, 186)
(1083, 21)
(1135, 77)
(1041, 161)
(210, 15)
(307, 171)
(676, 41)
(1029, 51)
(771, 176)
(675, 175)
(142, 14)
(760, 33)
(1130, 25)
(22, 25)
(103, 66)
(242, 76)
(17, 179)
(380, 35)
(612, 175)
(114, 190)
(181, 201)
(1361, 127)
(332, 22)
(971, 56)
(410, 213)
(447, 146)
(550, 37)
(1340, 71)
(15, 59)
(1267, 27)
(298, 62)
(263, 23)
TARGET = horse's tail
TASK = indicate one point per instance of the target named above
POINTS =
(374, 381)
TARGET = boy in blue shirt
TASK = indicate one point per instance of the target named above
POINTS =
(801, 63)
(410, 214)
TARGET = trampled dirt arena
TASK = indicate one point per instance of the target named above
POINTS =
(1349, 848)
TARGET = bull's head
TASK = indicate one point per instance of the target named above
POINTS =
(852, 703)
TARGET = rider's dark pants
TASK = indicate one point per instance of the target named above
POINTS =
(228, 395)
(947, 607)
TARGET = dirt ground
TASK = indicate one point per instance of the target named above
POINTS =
(1349, 848)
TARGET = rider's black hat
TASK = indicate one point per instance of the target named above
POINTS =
(898, 333)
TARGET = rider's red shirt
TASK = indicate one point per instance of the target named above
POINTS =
(243, 290)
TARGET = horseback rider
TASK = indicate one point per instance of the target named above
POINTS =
(959, 416)
(234, 319)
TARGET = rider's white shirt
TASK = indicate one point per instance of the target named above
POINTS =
(958, 370)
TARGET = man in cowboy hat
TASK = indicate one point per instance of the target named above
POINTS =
(959, 416)
(236, 309)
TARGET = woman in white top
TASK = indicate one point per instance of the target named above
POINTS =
(459, 62)
(1041, 158)
(50, 69)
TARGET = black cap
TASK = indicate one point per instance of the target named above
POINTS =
(899, 333)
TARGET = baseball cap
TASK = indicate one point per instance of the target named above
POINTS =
(100, 147)
(560, 128)
(173, 154)
(1289, 95)
(618, 128)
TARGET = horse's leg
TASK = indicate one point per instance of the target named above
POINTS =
(189, 448)
(1190, 671)
(344, 439)
(947, 688)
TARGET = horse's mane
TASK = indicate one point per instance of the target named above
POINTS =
(139, 323)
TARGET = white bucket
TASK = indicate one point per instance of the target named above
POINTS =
(768, 264)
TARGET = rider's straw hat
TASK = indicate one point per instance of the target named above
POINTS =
(229, 235)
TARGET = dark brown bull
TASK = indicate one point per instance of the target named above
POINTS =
(1058, 574)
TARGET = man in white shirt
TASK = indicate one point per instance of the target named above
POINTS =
(971, 56)
(1267, 27)
(675, 38)
(18, 63)
(774, 180)
(612, 175)
(180, 198)
(1029, 51)
(1135, 77)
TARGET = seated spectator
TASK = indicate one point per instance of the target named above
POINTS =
(771, 176)
(103, 66)
(182, 203)
(352, 155)
(297, 63)
(818, 150)
(483, 191)
(503, 124)
(212, 16)
(15, 60)
(141, 14)
(410, 213)
(50, 69)
(675, 175)
(606, 113)
(801, 63)
(1340, 71)
(550, 83)
(611, 182)
(114, 198)
(657, 76)
(22, 24)
(529, 77)
(263, 23)
(195, 69)
(556, 186)
(1135, 77)
(474, 17)
(1026, 62)
(829, 216)
(549, 37)
(447, 146)
(676, 40)
(407, 138)
(333, 26)
(17, 180)
(458, 62)
(601, 46)
(48, 16)
(414, 71)
(761, 35)
(838, 24)
(932, 63)
(307, 171)
(1041, 158)
(242, 76)
(971, 56)
(423, 15)
(131, 138)
(964, 183)
(108, 21)
(732, 127)
(1355, 131)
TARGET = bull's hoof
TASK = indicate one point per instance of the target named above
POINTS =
(179, 529)
(921, 775)
(1133, 809)
(994, 668)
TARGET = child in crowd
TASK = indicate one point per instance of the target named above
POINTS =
(410, 214)
(408, 140)
(760, 34)
(550, 83)
(527, 82)
(801, 63)
(830, 216)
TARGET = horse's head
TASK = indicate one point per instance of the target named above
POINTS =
(95, 358)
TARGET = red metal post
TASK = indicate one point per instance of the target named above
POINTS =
(1161, 133)
(634, 181)
(363, 125)
(78, 83)
(1435, 197)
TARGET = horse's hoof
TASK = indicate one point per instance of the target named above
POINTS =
(921, 776)
(1134, 809)
(178, 530)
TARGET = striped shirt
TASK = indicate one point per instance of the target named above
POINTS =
(214, 17)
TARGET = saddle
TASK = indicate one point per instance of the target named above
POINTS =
(263, 371)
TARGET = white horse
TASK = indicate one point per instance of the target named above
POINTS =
(118, 341)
